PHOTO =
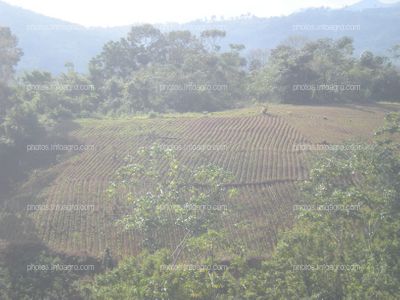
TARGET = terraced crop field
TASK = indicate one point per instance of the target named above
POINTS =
(260, 150)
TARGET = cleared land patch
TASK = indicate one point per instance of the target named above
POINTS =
(257, 148)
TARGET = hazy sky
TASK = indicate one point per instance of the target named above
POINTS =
(125, 12)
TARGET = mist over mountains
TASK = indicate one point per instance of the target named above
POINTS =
(49, 43)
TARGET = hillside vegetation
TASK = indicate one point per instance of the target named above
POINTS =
(263, 152)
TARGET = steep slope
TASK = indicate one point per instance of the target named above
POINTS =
(260, 150)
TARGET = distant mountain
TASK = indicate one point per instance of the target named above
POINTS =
(367, 4)
(49, 43)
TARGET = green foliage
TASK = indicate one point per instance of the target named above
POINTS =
(324, 71)
(177, 71)
(19, 122)
(145, 277)
(363, 237)
(25, 273)
(69, 95)
(30, 109)
(9, 54)
(9, 57)
(161, 192)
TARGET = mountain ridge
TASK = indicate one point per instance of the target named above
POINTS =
(49, 43)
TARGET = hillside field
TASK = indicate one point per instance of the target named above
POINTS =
(261, 150)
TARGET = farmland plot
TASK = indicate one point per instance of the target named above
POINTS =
(259, 150)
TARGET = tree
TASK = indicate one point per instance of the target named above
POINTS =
(18, 120)
(142, 46)
(395, 51)
(323, 71)
(211, 37)
(163, 193)
(10, 55)
(353, 227)
(25, 273)
(189, 73)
